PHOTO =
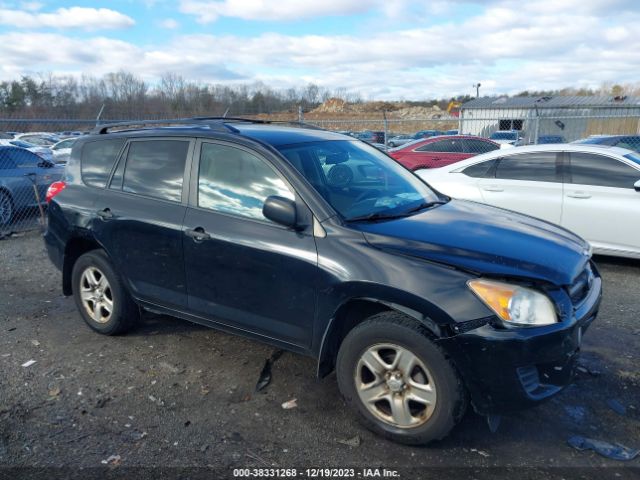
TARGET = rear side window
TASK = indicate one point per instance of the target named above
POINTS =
(478, 146)
(25, 159)
(630, 143)
(535, 167)
(97, 161)
(479, 170)
(6, 161)
(601, 171)
(155, 168)
(446, 146)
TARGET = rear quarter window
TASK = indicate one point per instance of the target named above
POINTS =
(97, 160)
(479, 170)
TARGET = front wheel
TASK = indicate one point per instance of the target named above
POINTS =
(100, 295)
(399, 382)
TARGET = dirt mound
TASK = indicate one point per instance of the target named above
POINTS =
(419, 112)
(332, 105)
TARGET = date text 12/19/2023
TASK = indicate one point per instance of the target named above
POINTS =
(315, 473)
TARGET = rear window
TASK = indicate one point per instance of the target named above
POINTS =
(155, 168)
(97, 161)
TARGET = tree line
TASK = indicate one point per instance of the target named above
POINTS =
(123, 95)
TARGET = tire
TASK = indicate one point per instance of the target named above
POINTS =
(100, 295)
(419, 422)
(6, 208)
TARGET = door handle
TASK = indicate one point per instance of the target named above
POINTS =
(197, 234)
(493, 188)
(578, 195)
(105, 214)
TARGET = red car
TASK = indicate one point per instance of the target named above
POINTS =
(439, 151)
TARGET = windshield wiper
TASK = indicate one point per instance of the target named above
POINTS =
(424, 206)
(387, 216)
(375, 216)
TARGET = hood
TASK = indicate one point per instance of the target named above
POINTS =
(486, 240)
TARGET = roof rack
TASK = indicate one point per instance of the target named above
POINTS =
(258, 121)
(214, 123)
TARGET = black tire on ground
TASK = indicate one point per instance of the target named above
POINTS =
(6, 209)
(398, 329)
(125, 313)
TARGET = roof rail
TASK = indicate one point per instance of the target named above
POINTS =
(214, 123)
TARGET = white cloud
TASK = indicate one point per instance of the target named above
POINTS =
(207, 11)
(32, 6)
(169, 24)
(73, 17)
(506, 48)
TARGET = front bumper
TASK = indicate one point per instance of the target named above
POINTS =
(507, 370)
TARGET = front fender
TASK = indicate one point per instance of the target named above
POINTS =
(361, 300)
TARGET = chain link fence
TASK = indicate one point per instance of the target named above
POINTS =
(30, 160)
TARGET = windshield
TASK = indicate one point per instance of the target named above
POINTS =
(357, 180)
(504, 136)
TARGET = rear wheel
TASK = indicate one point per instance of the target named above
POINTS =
(6, 208)
(100, 296)
(399, 382)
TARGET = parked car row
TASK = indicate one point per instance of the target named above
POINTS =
(49, 146)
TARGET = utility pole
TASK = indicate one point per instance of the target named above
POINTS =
(477, 87)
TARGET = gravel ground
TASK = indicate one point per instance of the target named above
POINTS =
(174, 395)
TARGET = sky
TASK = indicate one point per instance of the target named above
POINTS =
(379, 49)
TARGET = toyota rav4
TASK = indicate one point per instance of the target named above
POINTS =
(320, 244)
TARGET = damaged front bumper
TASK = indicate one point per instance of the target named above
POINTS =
(510, 369)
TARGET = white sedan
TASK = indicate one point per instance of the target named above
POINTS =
(62, 150)
(592, 190)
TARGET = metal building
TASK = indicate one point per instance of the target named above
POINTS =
(571, 117)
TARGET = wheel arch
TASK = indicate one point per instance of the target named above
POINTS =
(75, 247)
(354, 311)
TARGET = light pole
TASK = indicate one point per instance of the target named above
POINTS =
(477, 87)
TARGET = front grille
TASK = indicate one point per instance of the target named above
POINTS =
(579, 289)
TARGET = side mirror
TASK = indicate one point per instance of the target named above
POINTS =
(280, 210)
(637, 186)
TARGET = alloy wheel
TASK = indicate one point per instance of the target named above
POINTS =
(395, 386)
(96, 295)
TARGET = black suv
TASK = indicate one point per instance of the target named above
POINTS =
(320, 244)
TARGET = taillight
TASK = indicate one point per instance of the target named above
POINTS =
(54, 189)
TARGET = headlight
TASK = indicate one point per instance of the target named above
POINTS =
(514, 304)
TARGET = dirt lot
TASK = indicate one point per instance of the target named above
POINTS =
(172, 394)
